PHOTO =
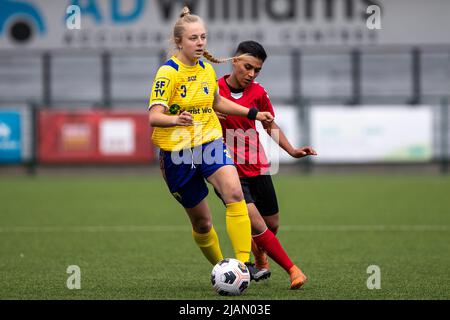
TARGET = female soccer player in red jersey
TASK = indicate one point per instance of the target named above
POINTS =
(243, 140)
(188, 133)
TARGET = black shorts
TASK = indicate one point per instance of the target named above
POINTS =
(260, 191)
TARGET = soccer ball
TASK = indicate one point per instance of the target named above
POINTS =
(230, 277)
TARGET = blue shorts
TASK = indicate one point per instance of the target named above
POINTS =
(185, 171)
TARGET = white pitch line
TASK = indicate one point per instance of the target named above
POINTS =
(174, 228)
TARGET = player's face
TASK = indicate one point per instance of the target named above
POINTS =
(193, 41)
(246, 69)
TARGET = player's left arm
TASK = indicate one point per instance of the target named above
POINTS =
(228, 107)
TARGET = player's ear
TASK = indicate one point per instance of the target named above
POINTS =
(177, 41)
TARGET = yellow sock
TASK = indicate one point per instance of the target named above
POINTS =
(209, 244)
(239, 229)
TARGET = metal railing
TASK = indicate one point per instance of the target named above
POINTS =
(399, 74)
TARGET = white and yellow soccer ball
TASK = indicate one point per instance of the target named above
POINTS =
(230, 277)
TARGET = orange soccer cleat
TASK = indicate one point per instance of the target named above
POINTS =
(298, 279)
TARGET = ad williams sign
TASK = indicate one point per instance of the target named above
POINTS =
(47, 24)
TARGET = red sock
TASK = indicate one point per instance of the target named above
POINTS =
(270, 244)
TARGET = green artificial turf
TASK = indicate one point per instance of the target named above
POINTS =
(132, 240)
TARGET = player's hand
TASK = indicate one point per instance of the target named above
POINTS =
(221, 116)
(303, 152)
(268, 126)
(265, 117)
(184, 119)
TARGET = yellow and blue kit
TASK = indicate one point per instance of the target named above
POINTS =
(179, 87)
(188, 154)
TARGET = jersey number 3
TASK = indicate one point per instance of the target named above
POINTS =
(183, 94)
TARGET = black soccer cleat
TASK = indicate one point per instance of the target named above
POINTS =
(257, 274)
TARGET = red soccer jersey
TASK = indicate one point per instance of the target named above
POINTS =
(240, 133)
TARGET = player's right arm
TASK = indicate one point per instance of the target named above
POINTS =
(157, 118)
(162, 90)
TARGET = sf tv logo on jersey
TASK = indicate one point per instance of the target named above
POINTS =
(160, 87)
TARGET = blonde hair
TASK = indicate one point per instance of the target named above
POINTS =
(178, 30)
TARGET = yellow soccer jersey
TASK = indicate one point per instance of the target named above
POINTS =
(179, 88)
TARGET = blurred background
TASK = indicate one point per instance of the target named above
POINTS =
(76, 91)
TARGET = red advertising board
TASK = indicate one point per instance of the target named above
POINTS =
(94, 136)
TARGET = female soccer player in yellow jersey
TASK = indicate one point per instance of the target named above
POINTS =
(188, 132)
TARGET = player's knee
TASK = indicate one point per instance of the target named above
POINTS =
(234, 194)
(202, 225)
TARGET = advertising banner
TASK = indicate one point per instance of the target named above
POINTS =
(10, 136)
(94, 136)
(361, 134)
